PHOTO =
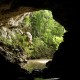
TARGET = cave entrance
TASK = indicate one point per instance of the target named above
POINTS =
(47, 34)
(37, 36)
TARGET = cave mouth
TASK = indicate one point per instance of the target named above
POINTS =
(45, 34)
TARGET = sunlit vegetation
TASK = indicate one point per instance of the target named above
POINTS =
(46, 33)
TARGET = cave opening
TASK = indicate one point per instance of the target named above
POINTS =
(46, 34)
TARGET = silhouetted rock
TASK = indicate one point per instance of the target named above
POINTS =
(11, 71)
(37, 73)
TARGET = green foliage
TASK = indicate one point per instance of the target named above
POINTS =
(22, 42)
(57, 40)
(27, 24)
(41, 50)
(47, 34)
(39, 22)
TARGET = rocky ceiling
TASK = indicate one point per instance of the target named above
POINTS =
(63, 10)
(8, 11)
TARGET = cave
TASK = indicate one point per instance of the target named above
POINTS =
(66, 13)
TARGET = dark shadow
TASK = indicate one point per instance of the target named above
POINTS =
(11, 71)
